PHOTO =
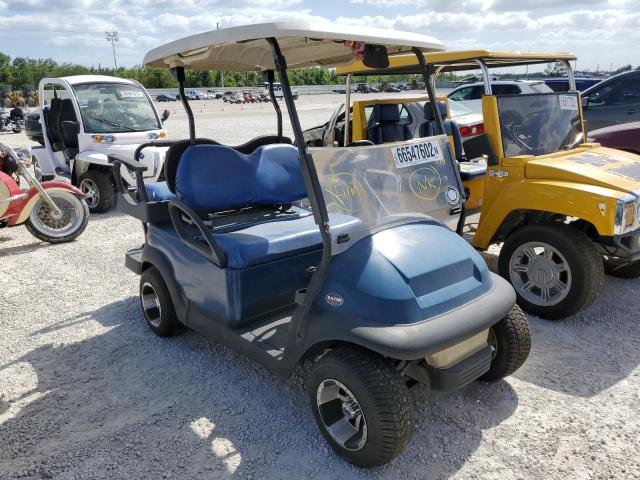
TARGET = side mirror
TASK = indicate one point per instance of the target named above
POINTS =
(585, 102)
(165, 115)
(375, 56)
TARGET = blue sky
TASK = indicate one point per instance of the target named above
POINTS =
(600, 32)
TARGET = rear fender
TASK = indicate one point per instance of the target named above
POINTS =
(34, 195)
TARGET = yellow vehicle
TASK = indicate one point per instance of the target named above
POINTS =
(565, 209)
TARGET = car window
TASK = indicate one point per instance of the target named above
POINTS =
(543, 87)
(618, 92)
(502, 89)
(462, 94)
(458, 109)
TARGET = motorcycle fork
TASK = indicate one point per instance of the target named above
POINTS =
(33, 181)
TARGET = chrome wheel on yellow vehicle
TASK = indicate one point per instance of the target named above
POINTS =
(555, 269)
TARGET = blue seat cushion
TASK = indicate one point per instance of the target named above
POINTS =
(159, 191)
(269, 241)
(217, 178)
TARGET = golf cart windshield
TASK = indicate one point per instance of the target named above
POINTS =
(388, 184)
(538, 124)
(115, 108)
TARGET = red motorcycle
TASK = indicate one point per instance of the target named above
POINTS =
(53, 212)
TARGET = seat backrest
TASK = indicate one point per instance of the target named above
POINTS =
(428, 128)
(69, 136)
(175, 151)
(217, 178)
(385, 125)
(53, 124)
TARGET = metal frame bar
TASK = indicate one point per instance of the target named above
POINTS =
(428, 72)
(347, 112)
(570, 75)
(180, 77)
(486, 77)
(270, 80)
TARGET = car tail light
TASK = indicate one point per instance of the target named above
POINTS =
(472, 130)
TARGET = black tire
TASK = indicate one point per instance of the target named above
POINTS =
(511, 341)
(106, 190)
(383, 398)
(582, 258)
(630, 270)
(160, 318)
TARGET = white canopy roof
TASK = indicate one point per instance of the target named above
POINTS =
(244, 48)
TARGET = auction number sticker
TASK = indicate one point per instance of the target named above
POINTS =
(417, 153)
(568, 102)
(130, 93)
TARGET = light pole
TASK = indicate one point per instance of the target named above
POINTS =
(112, 37)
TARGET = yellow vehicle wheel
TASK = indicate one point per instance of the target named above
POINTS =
(555, 269)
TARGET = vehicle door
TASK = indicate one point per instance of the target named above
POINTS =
(612, 103)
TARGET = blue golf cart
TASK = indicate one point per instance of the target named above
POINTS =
(328, 255)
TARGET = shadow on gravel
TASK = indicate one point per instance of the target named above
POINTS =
(127, 404)
(591, 351)
(28, 248)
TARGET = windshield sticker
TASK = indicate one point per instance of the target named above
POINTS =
(568, 102)
(425, 183)
(417, 153)
(334, 299)
(451, 195)
(130, 94)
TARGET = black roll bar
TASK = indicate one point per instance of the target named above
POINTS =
(270, 79)
(427, 74)
(178, 74)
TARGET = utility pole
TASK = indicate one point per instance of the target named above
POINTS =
(221, 72)
(112, 37)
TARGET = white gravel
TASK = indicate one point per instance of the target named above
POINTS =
(87, 391)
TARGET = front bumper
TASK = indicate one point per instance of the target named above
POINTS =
(624, 247)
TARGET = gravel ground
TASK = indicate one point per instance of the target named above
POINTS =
(87, 391)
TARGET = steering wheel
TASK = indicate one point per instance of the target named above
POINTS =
(361, 143)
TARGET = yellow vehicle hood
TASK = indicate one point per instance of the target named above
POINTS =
(604, 167)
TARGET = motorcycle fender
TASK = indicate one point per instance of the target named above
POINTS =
(34, 196)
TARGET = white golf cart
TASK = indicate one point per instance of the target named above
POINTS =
(84, 119)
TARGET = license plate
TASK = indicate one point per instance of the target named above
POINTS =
(417, 153)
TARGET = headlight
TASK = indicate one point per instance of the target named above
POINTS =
(626, 211)
(103, 138)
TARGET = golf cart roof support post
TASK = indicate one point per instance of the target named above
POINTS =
(570, 75)
(314, 190)
(180, 77)
(270, 79)
(347, 112)
(486, 77)
(428, 75)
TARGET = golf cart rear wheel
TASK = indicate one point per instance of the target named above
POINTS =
(361, 405)
(157, 306)
(99, 190)
(555, 269)
(630, 270)
(510, 340)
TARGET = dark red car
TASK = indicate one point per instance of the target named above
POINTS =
(623, 137)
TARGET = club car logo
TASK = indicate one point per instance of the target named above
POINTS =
(334, 299)
(451, 195)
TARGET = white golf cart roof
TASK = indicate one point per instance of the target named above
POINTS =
(244, 48)
(78, 79)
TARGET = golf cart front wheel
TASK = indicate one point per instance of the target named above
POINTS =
(510, 340)
(157, 306)
(360, 403)
(555, 269)
(99, 190)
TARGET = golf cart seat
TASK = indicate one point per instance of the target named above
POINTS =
(254, 192)
(68, 128)
(385, 125)
(428, 128)
(52, 121)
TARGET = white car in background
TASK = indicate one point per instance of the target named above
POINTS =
(470, 94)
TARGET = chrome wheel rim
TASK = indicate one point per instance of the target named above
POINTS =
(540, 274)
(341, 415)
(150, 304)
(45, 220)
(91, 192)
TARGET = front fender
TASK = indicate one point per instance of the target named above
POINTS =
(596, 205)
